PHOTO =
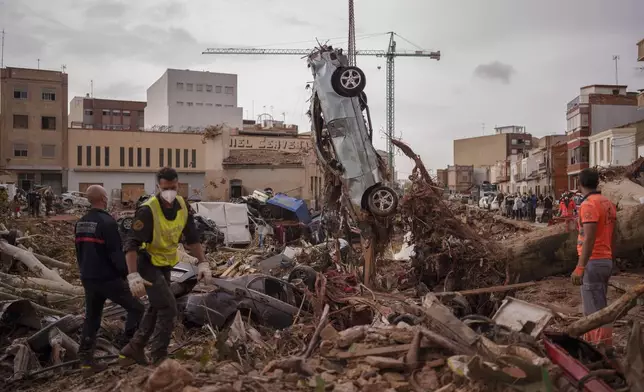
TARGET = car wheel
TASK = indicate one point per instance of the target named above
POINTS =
(348, 81)
(126, 224)
(382, 201)
(306, 273)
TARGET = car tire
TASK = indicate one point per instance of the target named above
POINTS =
(126, 224)
(348, 81)
(306, 273)
(382, 201)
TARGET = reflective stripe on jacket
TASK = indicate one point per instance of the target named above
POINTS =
(166, 233)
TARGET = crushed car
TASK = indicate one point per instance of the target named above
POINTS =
(343, 134)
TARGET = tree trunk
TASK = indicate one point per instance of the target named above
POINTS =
(41, 284)
(553, 250)
(34, 265)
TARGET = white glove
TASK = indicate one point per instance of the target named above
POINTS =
(204, 274)
(137, 284)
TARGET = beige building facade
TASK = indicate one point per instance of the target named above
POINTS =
(33, 126)
(487, 150)
(125, 162)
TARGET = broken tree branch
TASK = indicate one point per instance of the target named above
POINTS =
(41, 284)
(487, 290)
(38, 307)
(607, 315)
(34, 265)
(316, 334)
(48, 261)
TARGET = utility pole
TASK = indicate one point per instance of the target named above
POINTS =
(2, 51)
(38, 63)
(615, 59)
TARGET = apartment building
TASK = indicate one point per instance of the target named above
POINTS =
(183, 100)
(126, 165)
(596, 109)
(487, 150)
(441, 177)
(109, 114)
(618, 146)
(459, 178)
(33, 126)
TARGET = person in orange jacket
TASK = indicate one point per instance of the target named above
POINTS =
(595, 246)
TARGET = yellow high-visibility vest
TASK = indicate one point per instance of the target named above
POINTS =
(166, 233)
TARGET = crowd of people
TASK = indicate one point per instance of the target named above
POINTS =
(34, 200)
(532, 207)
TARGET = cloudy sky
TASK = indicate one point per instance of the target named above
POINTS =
(504, 61)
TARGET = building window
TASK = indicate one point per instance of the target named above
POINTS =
(122, 156)
(230, 106)
(209, 88)
(180, 103)
(79, 155)
(185, 157)
(88, 112)
(20, 92)
(179, 86)
(177, 157)
(139, 157)
(147, 157)
(126, 113)
(130, 156)
(48, 123)
(209, 104)
(48, 94)
(97, 151)
(190, 103)
(20, 149)
(88, 155)
(194, 158)
(26, 180)
(514, 151)
(514, 142)
(199, 103)
(116, 112)
(200, 87)
(189, 87)
(107, 156)
(218, 105)
(161, 150)
(218, 89)
(229, 90)
(106, 112)
(169, 157)
(20, 121)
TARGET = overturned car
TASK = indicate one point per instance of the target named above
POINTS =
(342, 134)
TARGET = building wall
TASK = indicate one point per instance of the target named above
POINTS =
(114, 180)
(95, 113)
(133, 141)
(605, 117)
(441, 176)
(46, 96)
(193, 99)
(480, 151)
(157, 110)
(614, 147)
(460, 177)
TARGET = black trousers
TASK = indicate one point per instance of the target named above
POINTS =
(159, 319)
(96, 293)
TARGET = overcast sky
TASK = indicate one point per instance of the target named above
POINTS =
(503, 61)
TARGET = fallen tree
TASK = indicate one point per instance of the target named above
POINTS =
(553, 250)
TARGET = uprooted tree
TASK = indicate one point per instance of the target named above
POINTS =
(452, 254)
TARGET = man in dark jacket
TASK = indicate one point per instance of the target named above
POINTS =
(103, 270)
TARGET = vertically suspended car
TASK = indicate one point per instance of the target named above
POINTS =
(343, 135)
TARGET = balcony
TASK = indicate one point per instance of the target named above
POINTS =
(542, 167)
(640, 50)
(503, 178)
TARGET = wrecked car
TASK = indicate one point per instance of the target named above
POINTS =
(342, 135)
(265, 300)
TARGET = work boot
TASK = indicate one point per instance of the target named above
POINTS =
(132, 353)
(91, 368)
(158, 357)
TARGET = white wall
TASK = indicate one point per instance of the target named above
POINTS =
(113, 180)
(76, 110)
(171, 103)
(156, 110)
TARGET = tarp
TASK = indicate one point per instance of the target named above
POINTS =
(292, 204)
(230, 218)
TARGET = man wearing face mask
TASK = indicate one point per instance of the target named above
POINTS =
(102, 269)
(151, 252)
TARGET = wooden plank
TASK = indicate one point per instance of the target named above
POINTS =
(488, 290)
(378, 351)
(231, 269)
